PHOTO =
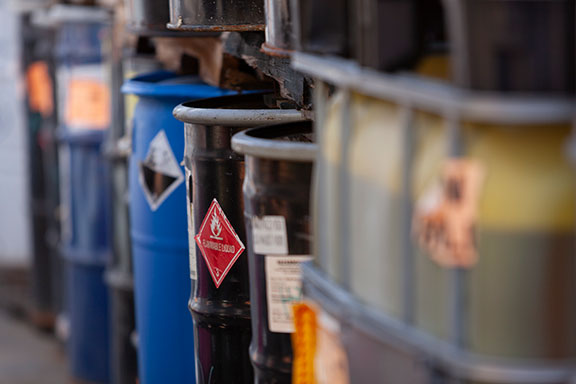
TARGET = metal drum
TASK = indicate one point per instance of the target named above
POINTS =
(158, 227)
(220, 298)
(390, 35)
(147, 17)
(84, 113)
(528, 47)
(119, 275)
(150, 18)
(279, 34)
(217, 16)
(385, 35)
(279, 162)
(321, 26)
(86, 250)
(41, 116)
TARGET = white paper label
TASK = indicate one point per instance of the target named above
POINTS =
(269, 235)
(283, 288)
(191, 242)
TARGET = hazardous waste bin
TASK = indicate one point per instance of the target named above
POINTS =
(447, 219)
(42, 160)
(279, 34)
(279, 162)
(529, 46)
(220, 298)
(391, 35)
(158, 227)
(320, 26)
(119, 275)
(86, 250)
(84, 113)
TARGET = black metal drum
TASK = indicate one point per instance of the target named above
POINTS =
(220, 299)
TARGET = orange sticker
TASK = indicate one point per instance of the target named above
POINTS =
(304, 343)
(88, 104)
(40, 89)
(445, 218)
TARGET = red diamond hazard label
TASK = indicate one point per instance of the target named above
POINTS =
(218, 243)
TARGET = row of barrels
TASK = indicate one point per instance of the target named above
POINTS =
(443, 234)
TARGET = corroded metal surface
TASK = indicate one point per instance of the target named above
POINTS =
(217, 16)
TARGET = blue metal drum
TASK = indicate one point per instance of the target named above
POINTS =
(83, 101)
(86, 249)
(159, 236)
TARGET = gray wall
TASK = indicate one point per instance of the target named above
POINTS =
(15, 239)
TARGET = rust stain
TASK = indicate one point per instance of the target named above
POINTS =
(216, 28)
(273, 51)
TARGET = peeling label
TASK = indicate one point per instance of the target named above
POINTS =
(445, 217)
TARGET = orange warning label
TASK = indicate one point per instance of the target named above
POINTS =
(88, 104)
(40, 88)
(304, 343)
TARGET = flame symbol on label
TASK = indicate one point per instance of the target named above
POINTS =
(215, 227)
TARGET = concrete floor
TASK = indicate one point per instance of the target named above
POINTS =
(28, 356)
